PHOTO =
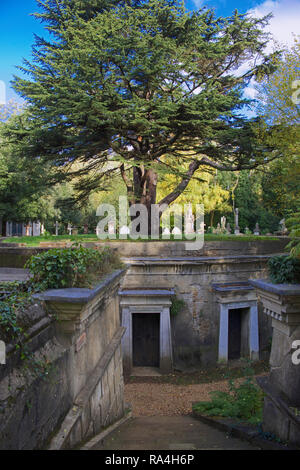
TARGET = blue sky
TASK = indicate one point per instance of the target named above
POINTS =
(18, 27)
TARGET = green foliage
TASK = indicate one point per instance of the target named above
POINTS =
(243, 402)
(284, 269)
(177, 306)
(278, 93)
(71, 267)
(123, 84)
(249, 199)
(15, 300)
(293, 224)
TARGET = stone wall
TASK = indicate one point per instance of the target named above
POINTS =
(14, 256)
(195, 330)
(76, 335)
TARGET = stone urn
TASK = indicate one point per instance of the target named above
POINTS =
(281, 414)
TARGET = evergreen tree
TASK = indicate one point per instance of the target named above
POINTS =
(136, 82)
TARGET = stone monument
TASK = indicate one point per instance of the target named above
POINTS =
(236, 222)
(257, 229)
(189, 220)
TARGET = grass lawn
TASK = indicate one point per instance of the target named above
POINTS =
(35, 241)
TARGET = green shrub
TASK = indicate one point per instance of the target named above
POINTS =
(243, 402)
(293, 224)
(71, 267)
(284, 269)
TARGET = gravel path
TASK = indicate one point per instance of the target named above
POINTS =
(152, 399)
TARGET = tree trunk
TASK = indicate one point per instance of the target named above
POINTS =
(144, 189)
(3, 227)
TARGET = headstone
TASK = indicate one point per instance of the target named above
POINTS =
(257, 229)
(283, 228)
(111, 227)
(124, 230)
(28, 229)
(236, 222)
(228, 228)
(176, 231)
(189, 220)
(201, 229)
(56, 228)
(223, 224)
(36, 229)
(85, 229)
(166, 232)
(70, 228)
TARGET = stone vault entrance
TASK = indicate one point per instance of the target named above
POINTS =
(238, 321)
(147, 341)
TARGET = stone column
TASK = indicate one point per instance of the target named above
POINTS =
(281, 416)
(253, 335)
(165, 341)
(223, 335)
(127, 340)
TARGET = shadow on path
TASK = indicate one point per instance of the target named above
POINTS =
(169, 433)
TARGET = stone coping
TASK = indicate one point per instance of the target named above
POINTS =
(147, 292)
(232, 286)
(195, 259)
(280, 289)
(78, 295)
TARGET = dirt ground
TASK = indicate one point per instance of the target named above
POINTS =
(174, 394)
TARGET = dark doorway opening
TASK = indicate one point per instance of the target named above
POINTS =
(17, 229)
(234, 333)
(146, 334)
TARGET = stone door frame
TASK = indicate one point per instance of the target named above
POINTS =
(252, 329)
(154, 301)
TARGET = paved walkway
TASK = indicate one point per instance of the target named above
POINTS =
(13, 274)
(169, 433)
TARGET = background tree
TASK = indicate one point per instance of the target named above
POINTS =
(138, 81)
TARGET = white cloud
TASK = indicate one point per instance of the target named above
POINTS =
(285, 21)
(283, 26)
(198, 3)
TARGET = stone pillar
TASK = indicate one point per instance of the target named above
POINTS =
(282, 387)
(165, 341)
(254, 336)
(127, 340)
(223, 335)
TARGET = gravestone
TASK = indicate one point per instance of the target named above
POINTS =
(111, 227)
(189, 220)
(236, 222)
(176, 231)
(257, 229)
(166, 232)
(56, 228)
(124, 230)
(223, 224)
